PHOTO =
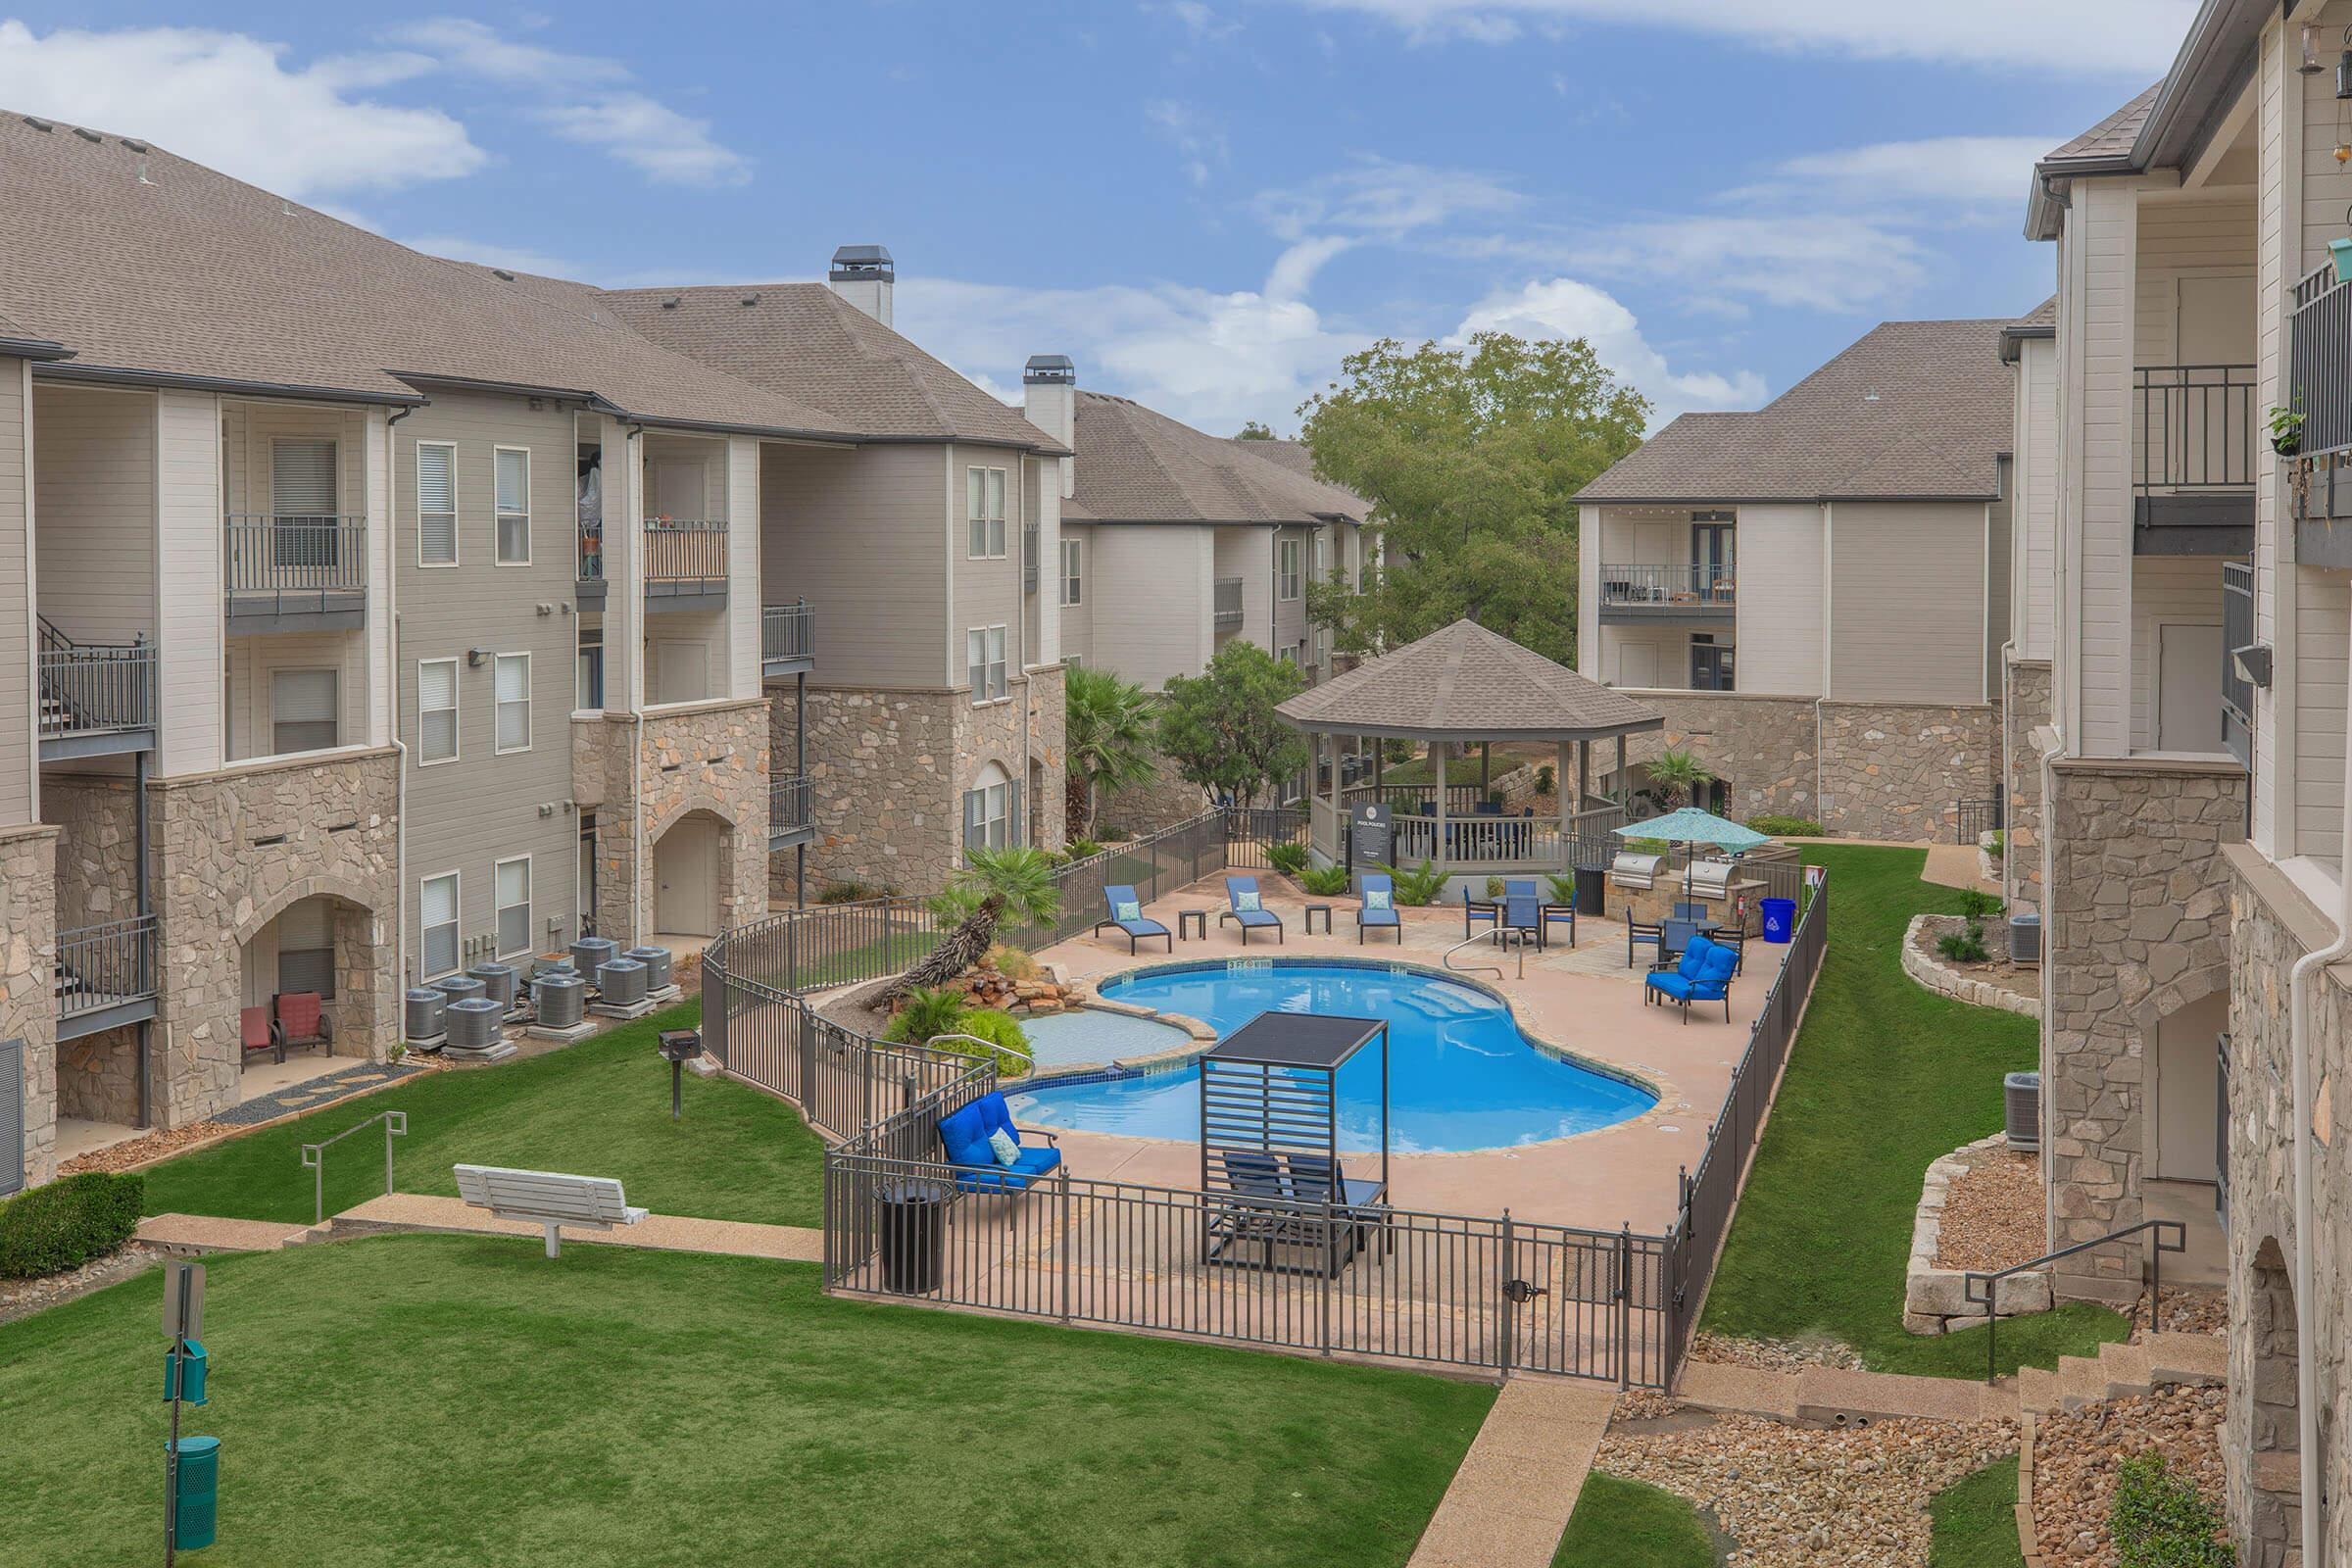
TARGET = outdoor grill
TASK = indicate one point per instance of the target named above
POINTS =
(1709, 878)
(1632, 870)
(679, 1044)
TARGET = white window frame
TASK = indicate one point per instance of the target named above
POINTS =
(456, 511)
(984, 667)
(1073, 572)
(984, 523)
(996, 831)
(1286, 556)
(498, 518)
(498, 911)
(457, 712)
(499, 705)
(457, 923)
(334, 685)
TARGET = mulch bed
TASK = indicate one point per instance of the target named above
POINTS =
(2019, 979)
(145, 1150)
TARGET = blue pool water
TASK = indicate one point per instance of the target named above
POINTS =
(1460, 1074)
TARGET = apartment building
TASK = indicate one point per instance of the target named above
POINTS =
(1816, 594)
(2193, 751)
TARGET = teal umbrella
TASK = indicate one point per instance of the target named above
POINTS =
(1690, 825)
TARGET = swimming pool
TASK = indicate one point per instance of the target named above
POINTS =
(1460, 1074)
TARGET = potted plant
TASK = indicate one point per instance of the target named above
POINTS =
(2286, 428)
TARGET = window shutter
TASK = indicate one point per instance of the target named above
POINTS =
(975, 818)
(436, 503)
(11, 1116)
(302, 478)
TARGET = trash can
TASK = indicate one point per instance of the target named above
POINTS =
(195, 1504)
(914, 1235)
(1591, 891)
(1780, 919)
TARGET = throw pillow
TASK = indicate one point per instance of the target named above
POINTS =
(1248, 902)
(1375, 898)
(1126, 910)
(1008, 1151)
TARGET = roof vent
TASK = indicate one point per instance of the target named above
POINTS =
(751, 298)
(671, 303)
(1048, 368)
(143, 179)
(38, 123)
(502, 275)
(1871, 395)
(135, 145)
(87, 134)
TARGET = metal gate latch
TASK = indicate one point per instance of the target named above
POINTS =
(1519, 1291)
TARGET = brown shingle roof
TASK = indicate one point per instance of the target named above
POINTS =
(2112, 136)
(1912, 410)
(192, 274)
(1465, 682)
(1135, 465)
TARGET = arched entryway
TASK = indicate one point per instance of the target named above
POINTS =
(689, 879)
(2273, 1479)
(2181, 1159)
(310, 977)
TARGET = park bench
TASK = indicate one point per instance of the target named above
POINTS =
(546, 1198)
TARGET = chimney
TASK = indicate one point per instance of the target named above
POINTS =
(864, 275)
(1050, 399)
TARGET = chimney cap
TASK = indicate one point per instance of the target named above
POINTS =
(1048, 368)
(862, 261)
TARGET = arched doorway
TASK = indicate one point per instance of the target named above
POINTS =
(2182, 1161)
(2274, 1481)
(689, 878)
(319, 945)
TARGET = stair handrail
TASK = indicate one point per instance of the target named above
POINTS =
(314, 1157)
(1446, 959)
(1022, 1052)
(2171, 1236)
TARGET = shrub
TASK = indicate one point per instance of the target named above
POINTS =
(999, 1028)
(1287, 859)
(1977, 905)
(850, 892)
(1084, 848)
(1996, 844)
(1786, 827)
(1324, 881)
(1115, 835)
(1010, 961)
(1415, 888)
(1563, 889)
(1544, 775)
(1494, 886)
(2161, 1521)
(936, 1010)
(1964, 947)
(68, 1222)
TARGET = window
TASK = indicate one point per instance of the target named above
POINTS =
(511, 685)
(1073, 572)
(984, 652)
(513, 506)
(302, 502)
(591, 679)
(436, 504)
(989, 809)
(437, 923)
(1710, 665)
(984, 505)
(1289, 654)
(302, 709)
(510, 884)
(1289, 568)
(436, 710)
(305, 947)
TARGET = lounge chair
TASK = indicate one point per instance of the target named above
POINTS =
(298, 1021)
(1263, 1214)
(255, 1032)
(1319, 1179)
(976, 1169)
(1127, 913)
(1638, 935)
(1377, 907)
(1246, 905)
(1703, 973)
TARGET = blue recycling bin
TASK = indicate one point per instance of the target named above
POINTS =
(1780, 919)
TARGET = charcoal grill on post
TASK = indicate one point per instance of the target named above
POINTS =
(678, 1047)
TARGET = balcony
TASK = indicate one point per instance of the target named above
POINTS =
(2320, 369)
(105, 976)
(1226, 607)
(791, 817)
(296, 573)
(1687, 591)
(2193, 457)
(787, 639)
(2237, 631)
(96, 699)
(685, 565)
(590, 588)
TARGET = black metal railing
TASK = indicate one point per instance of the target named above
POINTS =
(786, 632)
(688, 550)
(2193, 427)
(592, 551)
(1982, 1288)
(309, 553)
(100, 966)
(789, 801)
(1686, 585)
(93, 688)
(2319, 360)
(2237, 631)
(1974, 819)
(1225, 602)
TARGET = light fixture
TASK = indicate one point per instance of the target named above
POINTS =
(476, 658)
(2310, 65)
(2253, 664)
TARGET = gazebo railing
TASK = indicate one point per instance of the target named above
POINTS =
(1479, 841)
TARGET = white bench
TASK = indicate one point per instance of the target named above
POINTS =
(547, 1197)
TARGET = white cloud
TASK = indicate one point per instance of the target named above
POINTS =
(1807, 260)
(1198, 22)
(514, 258)
(1295, 270)
(232, 102)
(2072, 38)
(1199, 140)
(1973, 171)
(1378, 197)
(1564, 308)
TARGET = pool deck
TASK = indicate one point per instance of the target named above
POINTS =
(1585, 1001)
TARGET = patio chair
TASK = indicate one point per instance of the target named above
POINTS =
(1638, 935)
(1737, 941)
(254, 1032)
(1245, 906)
(1559, 913)
(1260, 1213)
(1703, 973)
(1477, 910)
(1675, 938)
(1690, 911)
(1486, 808)
(1376, 907)
(1522, 913)
(298, 1021)
(1127, 913)
(1321, 1179)
(964, 1135)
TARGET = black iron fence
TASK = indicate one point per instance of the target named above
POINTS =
(2194, 426)
(93, 688)
(1974, 819)
(786, 632)
(2319, 350)
(308, 554)
(99, 967)
(1225, 602)
(789, 800)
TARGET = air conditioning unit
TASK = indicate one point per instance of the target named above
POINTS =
(458, 987)
(2025, 937)
(622, 982)
(589, 954)
(422, 1022)
(500, 982)
(657, 965)
(2020, 1104)
(562, 999)
(474, 1024)
(551, 963)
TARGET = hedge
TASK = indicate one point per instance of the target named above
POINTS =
(67, 1223)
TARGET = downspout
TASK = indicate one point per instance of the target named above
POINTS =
(400, 748)
(635, 477)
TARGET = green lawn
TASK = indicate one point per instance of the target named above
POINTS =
(599, 1108)
(1975, 1521)
(1627, 1524)
(1886, 1077)
(430, 1400)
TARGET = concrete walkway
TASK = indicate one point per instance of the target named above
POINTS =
(1831, 1395)
(666, 1233)
(1509, 1502)
(192, 1234)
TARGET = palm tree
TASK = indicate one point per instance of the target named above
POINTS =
(992, 885)
(1676, 774)
(1108, 738)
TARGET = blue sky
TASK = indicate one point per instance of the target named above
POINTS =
(1206, 202)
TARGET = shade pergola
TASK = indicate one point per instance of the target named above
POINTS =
(1270, 1142)
(1462, 686)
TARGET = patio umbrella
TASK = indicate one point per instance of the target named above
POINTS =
(1690, 825)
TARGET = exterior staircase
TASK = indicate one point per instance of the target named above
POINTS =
(2120, 1371)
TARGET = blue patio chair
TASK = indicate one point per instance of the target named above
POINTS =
(1522, 910)
(975, 1166)
(1377, 907)
(1127, 913)
(1246, 905)
(1703, 973)
(1486, 808)
(1561, 913)
(1477, 910)
(1690, 911)
(1638, 935)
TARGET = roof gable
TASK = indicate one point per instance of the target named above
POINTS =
(1136, 465)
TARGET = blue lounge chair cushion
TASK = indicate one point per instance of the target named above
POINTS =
(1126, 910)
(1674, 985)
(1032, 1164)
(964, 1135)
(1005, 1147)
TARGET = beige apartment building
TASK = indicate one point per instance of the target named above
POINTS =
(1816, 595)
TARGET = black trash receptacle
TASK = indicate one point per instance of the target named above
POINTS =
(914, 1235)
(1591, 891)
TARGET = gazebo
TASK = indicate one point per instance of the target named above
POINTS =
(1461, 687)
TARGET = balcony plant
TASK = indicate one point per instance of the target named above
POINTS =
(2286, 428)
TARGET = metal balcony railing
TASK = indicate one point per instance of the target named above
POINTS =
(1687, 584)
(101, 966)
(786, 632)
(2237, 631)
(685, 551)
(1226, 607)
(2193, 427)
(309, 553)
(789, 801)
(93, 688)
(2320, 359)
(592, 552)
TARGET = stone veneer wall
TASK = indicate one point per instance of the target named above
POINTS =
(97, 870)
(28, 1010)
(2024, 708)
(2271, 927)
(2136, 928)
(699, 756)
(1164, 800)
(233, 850)
(993, 733)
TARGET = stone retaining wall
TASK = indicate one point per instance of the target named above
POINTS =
(1937, 973)
(1935, 1299)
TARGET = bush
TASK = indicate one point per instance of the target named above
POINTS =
(1287, 859)
(1001, 1029)
(1964, 947)
(1494, 886)
(1977, 905)
(68, 1222)
(1010, 961)
(2161, 1521)
(1083, 848)
(851, 893)
(936, 1010)
(1996, 844)
(1115, 835)
(1786, 827)
(1324, 881)
(1415, 888)
(1544, 775)
(1563, 889)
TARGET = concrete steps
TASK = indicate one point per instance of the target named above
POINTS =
(2121, 1371)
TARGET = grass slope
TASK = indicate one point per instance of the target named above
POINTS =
(1886, 1077)
(1627, 1524)
(1975, 1521)
(599, 1108)
(426, 1400)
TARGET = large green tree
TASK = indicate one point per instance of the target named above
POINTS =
(1220, 729)
(1470, 457)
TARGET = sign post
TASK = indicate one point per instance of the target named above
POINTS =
(183, 1320)
(1370, 835)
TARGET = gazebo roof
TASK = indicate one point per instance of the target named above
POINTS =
(1469, 683)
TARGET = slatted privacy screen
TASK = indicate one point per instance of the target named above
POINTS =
(1249, 1106)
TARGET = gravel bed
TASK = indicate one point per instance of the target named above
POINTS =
(1801, 1495)
(2186, 1312)
(145, 1150)
(1993, 1216)
(2075, 1459)
(1774, 1355)
(1644, 1404)
(23, 1298)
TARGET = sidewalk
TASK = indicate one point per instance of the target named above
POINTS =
(1511, 1500)
(666, 1233)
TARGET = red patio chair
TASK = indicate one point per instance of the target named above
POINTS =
(258, 1033)
(301, 1021)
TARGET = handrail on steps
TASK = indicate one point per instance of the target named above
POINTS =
(1990, 1279)
(314, 1157)
(1021, 1051)
(1446, 959)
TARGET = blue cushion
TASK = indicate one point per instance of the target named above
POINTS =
(1126, 910)
(1693, 963)
(1674, 985)
(1032, 1163)
(994, 1117)
(1720, 963)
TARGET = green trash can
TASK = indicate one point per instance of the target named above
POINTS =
(194, 1506)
